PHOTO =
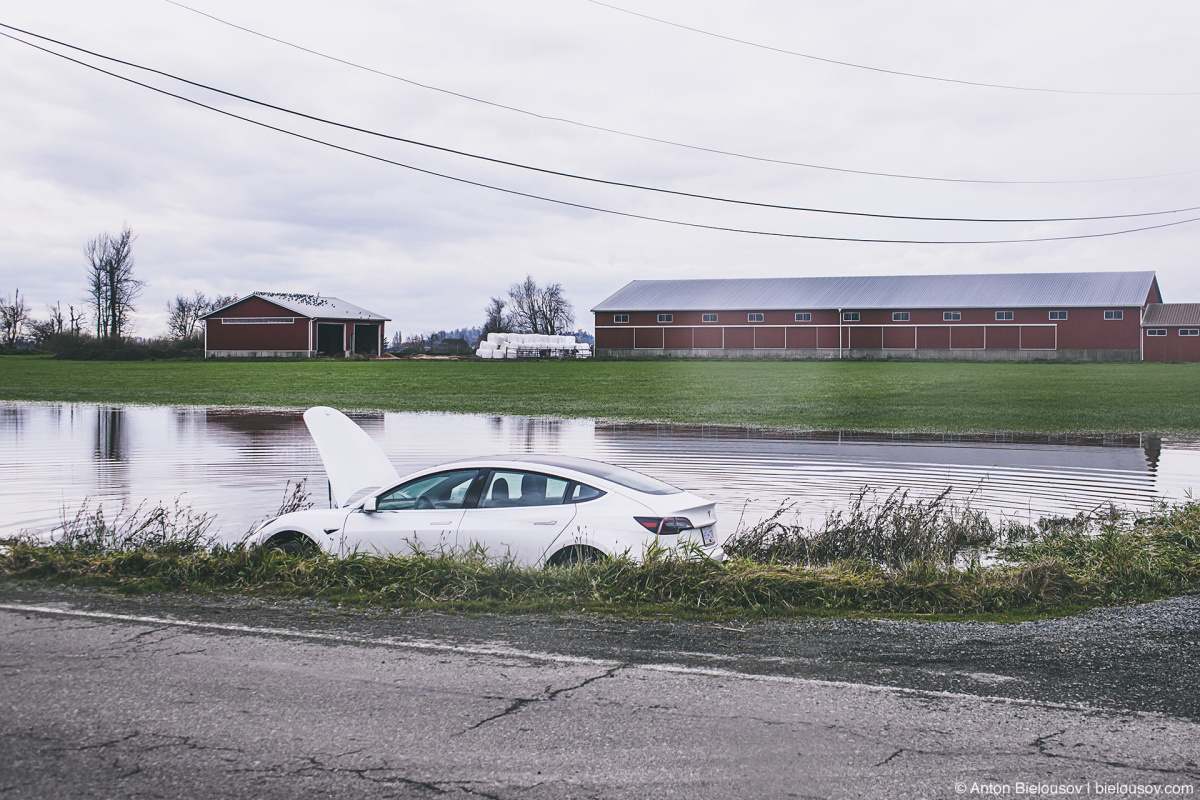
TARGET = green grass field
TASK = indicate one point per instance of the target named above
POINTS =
(846, 395)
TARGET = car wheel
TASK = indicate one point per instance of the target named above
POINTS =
(293, 544)
(575, 554)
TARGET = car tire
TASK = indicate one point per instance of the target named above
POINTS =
(575, 554)
(292, 543)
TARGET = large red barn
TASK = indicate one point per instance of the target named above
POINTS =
(292, 325)
(1093, 316)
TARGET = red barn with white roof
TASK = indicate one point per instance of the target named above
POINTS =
(1074, 316)
(284, 325)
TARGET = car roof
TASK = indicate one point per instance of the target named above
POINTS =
(622, 476)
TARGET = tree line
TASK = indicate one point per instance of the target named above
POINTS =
(105, 317)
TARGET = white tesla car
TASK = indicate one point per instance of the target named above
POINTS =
(531, 508)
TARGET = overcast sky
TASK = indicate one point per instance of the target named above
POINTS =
(226, 207)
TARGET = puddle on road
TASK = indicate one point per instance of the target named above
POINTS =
(236, 462)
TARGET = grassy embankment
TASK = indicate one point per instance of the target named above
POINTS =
(899, 557)
(850, 395)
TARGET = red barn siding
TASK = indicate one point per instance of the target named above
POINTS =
(1030, 329)
(739, 338)
(678, 338)
(709, 338)
(900, 337)
(772, 337)
(933, 338)
(801, 338)
(828, 337)
(614, 338)
(867, 338)
(1036, 337)
(265, 336)
(966, 337)
(1171, 347)
(1087, 328)
(648, 338)
(1003, 337)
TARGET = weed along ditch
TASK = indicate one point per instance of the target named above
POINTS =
(156, 498)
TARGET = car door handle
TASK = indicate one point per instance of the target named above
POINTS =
(443, 522)
(551, 522)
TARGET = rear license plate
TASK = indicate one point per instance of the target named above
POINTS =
(710, 536)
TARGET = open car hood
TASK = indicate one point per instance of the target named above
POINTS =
(353, 461)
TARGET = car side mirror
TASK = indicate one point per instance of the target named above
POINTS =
(370, 505)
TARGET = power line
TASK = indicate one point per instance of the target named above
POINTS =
(881, 69)
(669, 142)
(601, 181)
(567, 203)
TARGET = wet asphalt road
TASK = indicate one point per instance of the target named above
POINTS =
(183, 697)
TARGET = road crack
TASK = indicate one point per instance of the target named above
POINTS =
(549, 696)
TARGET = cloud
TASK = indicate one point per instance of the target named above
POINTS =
(227, 207)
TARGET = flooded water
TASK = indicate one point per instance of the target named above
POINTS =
(236, 463)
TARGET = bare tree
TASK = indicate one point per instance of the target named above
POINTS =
(537, 309)
(55, 323)
(77, 318)
(495, 320)
(184, 313)
(111, 285)
(14, 315)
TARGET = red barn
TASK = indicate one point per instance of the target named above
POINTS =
(1171, 332)
(292, 325)
(1092, 316)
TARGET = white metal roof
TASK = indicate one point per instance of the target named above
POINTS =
(1031, 290)
(1171, 314)
(313, 306)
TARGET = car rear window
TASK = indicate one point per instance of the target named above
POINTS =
(621, 476)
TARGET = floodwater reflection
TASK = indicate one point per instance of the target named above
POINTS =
(237, 462)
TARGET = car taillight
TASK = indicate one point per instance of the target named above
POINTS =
(664, 525)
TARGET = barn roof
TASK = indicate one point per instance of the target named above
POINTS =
(312, 306)
(1172, 314)
(1031, 290)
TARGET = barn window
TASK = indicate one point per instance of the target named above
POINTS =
(1157, 332)
(804, 316)
(708, 317)
(1189, 331)
(850, 316)
(256, 320)
(1114, 314)
(899, 316)
(666, 317)
(1003, 315)
(620, 318)
(754, 318)
(1058, 315)
(951, 316)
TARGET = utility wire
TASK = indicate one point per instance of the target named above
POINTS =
(883, 70)
(672, 143)
(567, 203)
(602, 181)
